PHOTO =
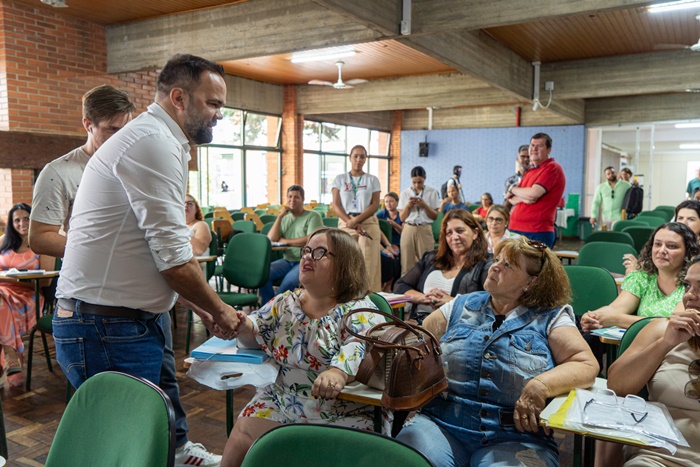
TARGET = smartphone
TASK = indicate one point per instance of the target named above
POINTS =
(505, 417)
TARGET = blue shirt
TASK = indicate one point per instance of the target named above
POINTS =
(395, 235)
(450, 206)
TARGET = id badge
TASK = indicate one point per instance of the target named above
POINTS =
(353, 207)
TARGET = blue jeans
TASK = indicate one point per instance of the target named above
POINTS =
(445, 448)
(545, 237)
(90, 344)
(288, 271)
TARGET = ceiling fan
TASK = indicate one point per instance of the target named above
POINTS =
(340, 84)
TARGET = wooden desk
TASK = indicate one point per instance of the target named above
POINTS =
(568, 255)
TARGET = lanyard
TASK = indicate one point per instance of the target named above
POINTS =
(354, 186)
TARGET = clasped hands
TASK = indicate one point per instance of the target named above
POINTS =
(435, 298)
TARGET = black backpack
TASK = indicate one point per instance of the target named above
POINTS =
(634, 199)
(443, 190)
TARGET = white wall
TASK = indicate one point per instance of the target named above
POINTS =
(669, 177)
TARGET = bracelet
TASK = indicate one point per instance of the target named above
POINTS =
(537, 378)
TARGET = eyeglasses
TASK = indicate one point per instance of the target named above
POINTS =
(632, 404)
(542, 248)
(495, 220)
(189, 204)
(692, 387)
(316, 253)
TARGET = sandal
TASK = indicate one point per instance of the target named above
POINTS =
(12, 363)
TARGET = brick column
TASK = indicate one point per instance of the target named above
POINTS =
(292, 140)
(395, 151)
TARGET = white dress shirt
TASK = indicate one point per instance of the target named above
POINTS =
(128, 220)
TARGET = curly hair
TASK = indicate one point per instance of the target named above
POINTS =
(198, 215)
(444, 258)
(12, 239)
(690, 243)
(551, 287)
(351, 281)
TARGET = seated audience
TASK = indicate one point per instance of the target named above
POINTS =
(655, 288)
(506, 351)
(391, 263)
(452, 201)
(459, 266)
(497, 218)
(301, 332)
(293, 226)
(665, 356)
(696, 194)
(482, 211)
(200, 231)
(391, 214)
(17, 304)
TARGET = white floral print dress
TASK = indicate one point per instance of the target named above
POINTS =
(303, 348)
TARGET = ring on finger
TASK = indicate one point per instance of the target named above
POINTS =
(524, 417)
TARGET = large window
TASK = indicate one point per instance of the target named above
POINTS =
(326, 150)
(241, 166)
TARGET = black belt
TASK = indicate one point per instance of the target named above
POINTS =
(82, 307)
(354, 214)
(415, 225)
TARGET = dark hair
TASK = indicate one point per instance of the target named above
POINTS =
(626, 170)
(687, 204)
(198, 215)
(359, 146)
(12, 239)
(184, 71)
(298, 188)
(488, 195)
(690, 242)
(351, 280)
(610, 167)
(456, 168)
(478, 251)
(391, 194)
(105, 102)
(544, 136)
(418, 171)
(524, 147)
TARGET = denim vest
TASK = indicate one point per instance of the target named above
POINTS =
(487, 370)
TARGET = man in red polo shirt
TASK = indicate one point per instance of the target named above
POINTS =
(536, 196)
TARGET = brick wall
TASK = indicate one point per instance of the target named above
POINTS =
(292, 142)
(16, 186)
(395, 152)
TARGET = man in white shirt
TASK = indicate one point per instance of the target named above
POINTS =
(419, 206)
(128, 254)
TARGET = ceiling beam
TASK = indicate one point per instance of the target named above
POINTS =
(496, 116)
(411, 92)
(249, 29)
(651, 73)
(430, 16)
(384, 16)
(636, 109)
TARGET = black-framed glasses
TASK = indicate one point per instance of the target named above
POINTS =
(495, 220)
(692, 387)
(316, 253)
(541, 247)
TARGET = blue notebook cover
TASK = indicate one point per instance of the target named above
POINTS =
(220, 350)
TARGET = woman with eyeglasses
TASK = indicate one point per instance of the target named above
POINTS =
(301, 332)
(654, 289)
(665, 357)
(458, 266)
(505, 352)
(497, 218)
(200, 231)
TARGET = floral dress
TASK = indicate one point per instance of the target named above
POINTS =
(17, 306)
(304, 348)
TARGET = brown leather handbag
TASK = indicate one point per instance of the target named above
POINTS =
(401, 359)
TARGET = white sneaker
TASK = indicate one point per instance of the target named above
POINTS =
(197, 455)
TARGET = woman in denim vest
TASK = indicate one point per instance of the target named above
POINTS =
(505, 352)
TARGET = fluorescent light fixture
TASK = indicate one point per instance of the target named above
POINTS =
(673, 6)
(690, 146)
(329, 53)
(687, 125)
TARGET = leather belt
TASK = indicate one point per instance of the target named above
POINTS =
(82, 307)
(354, 214)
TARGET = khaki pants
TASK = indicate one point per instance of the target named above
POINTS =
(415, 242)
(370, 250)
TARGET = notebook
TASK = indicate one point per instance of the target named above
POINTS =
(220, 350)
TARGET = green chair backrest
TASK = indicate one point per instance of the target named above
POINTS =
(619, 225)
(115, 419)
(605, 255)
(437, 223)
(610, 236)
(244, 226)
(667, 215)
(652, 214)
(238, 216)
(330, 222)
(266, 228)
(631, 333)
(651, 221)
(386, 229)
(213, 251)
(247, 260)
(265, 218)
(591, 288)
(474, 206)
(261, 212)
(641, 234)
(381, 303)
(332, 445)
(209, 215)
(670, 209)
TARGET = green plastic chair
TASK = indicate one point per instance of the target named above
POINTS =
(267, 218)
(651, 221)
(654, 213)
(246, 265)
(244, 226)
(605, 255)
(261, 212)
(209, 215)
(437, 223)
(381, 303)
(330, 222)
(670, 210)
(238, 216)
(619, 225)
(610, 236)
(266, 228)
(667, 215)
(474, 206)
(115, 419)
(386, 229)
(591, 288)
(641, 234)
(631, 333)
(332, 445)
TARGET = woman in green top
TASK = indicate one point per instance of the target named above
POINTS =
(654, 289)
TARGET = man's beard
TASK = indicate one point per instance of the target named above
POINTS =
(199, 131)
